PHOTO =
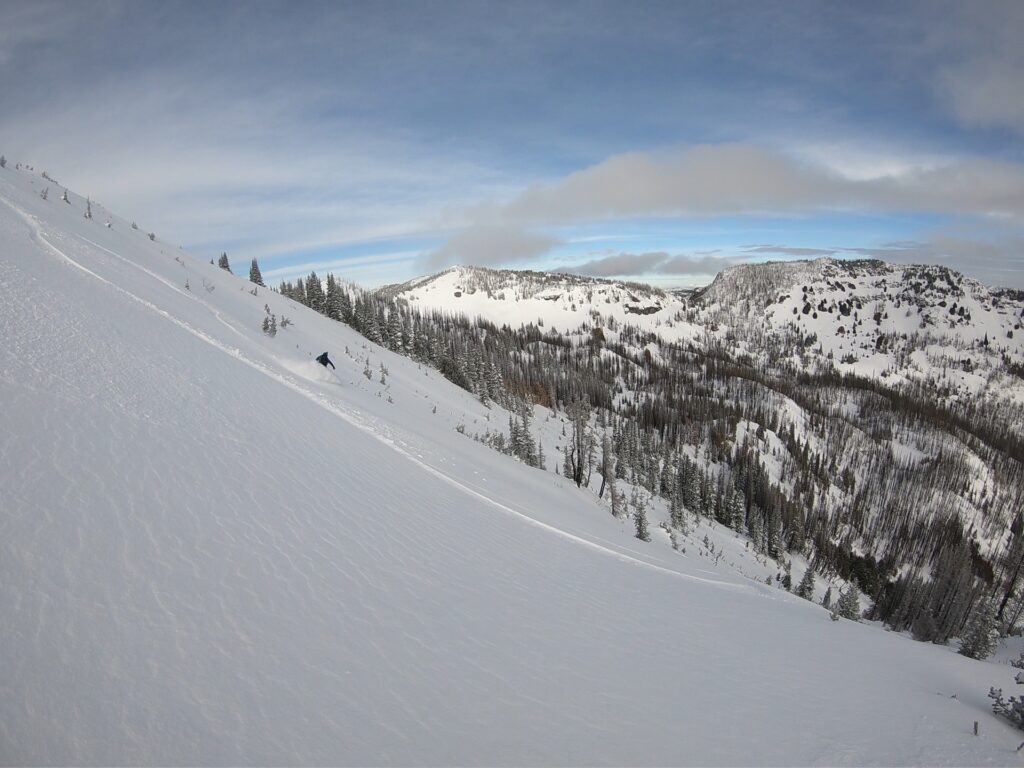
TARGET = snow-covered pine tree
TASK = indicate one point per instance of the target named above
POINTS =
(3, 161)
(849, 604)
(315, 298)
(346, 305)
(638, 502)
(981, 635)
(254, 273)
(773, 533)
(787, 578)
(222, 262)
(757, 530)
(737, 511)
(527, 453)
(691, 490)
(332, 302)
(515, 439)
(615, 495)
(676, 511)
(805, 588)
(667, 480)
(826, 601)
(1013, 708)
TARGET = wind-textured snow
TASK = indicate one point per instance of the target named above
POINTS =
(213, 551)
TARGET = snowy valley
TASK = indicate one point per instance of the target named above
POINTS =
(215, 550)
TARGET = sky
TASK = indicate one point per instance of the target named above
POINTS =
(659, 142)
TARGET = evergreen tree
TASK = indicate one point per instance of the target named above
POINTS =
(334, 299)
(345, 302)
(607, 467)
(579, 449)
(3, 161)
(805, 588)
(315, 298)
(515, 438)
(394, 331)
(737, 512)
(981, 635)
(773, 533)
(691, 488)
(787, 578)
(639, 504)
(1013, 708)
(616, 497)
(848, 606)
(826, 601)
(676, 512)
(222, 262)
(254, 273)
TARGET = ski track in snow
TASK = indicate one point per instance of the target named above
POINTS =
(382, 436)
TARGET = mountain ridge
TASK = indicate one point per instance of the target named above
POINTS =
(904, 323)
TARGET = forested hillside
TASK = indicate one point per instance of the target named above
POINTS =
(864, 415)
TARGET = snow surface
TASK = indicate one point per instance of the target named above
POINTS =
(214, 551)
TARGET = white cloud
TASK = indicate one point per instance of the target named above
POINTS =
(789, 250)
(984, 81)
(735, 179)
(653, 263)
(490, 245)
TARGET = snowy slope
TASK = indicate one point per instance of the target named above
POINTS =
(213, 551)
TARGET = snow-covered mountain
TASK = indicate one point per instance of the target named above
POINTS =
(913, 325)
(216, 551)
(514, 298)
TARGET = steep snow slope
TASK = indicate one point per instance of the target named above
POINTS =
(214, 551)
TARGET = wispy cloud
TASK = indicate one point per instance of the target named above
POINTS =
(734, 180)
(653, 263)
(788, 250)
(995, 260)
(747, 180)
(982, 77)
(279, 130)
(490, 245)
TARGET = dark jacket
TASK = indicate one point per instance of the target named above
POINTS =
(325, 361)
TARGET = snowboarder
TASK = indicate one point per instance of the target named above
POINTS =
(325, 361)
